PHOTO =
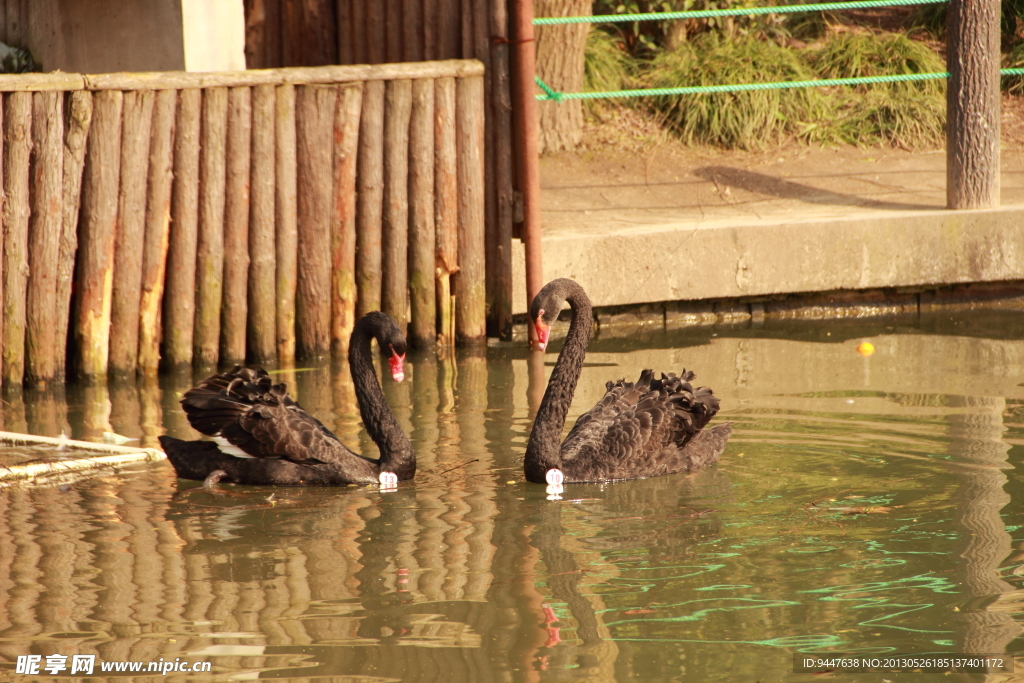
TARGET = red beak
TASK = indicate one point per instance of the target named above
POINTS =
(543, 332)
(397, 366)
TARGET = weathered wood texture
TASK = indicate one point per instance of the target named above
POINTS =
(17, 150)
(79, 120)
(395, 233)
(180, 288)
(973, 107)
(369, 200)
(314, 111)
(130, 233)
(499, 173)
(220, 224)
(44, 237)
(158, 230)
(262, 322)
(235, 309)
(210, 241)
(446, 203)
(470, 286)
(422, 237)
(343, 231)
(98, 229)
(286, 236)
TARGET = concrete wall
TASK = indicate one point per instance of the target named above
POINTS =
(102, 36)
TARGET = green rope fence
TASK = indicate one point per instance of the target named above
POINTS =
(550, 94)
(736, 11)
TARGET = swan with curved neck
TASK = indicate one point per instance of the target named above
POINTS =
(638, 429)
(262, 436)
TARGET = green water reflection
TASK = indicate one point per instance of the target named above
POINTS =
(864, 505)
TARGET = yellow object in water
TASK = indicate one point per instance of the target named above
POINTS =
(866, 349)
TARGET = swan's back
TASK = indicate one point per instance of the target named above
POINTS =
(644, 429)
(243, 407)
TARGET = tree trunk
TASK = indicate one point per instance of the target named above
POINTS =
(560, 51)
(972, 132)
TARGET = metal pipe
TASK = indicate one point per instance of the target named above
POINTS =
(524, 104)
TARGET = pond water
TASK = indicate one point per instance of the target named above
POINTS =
(864, 505)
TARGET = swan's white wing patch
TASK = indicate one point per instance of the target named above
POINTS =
(229, 448)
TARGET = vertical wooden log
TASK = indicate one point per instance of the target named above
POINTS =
(210, 244)
(79, 120)
(431, 47)
(470, 286)
(130, 239)
(395, 234)
(286, 238)
(15, 28)
(422, 237)
(446, 202)
(376, 41)
(235, 310)
(343, 232)
(255, 34)
(499, 173)
(17, 151)
(44, 236)
(262, 323)
(343, 14)
(393, 30)
(179, 313)
(274, 30)
(449, 28)
(314, 113)
(94, 280)
(412, 31)
(359, 29)
(369, 200)
(158, 230)
(467, 41)
(973, 104)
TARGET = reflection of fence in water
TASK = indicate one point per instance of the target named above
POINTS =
(122, 570)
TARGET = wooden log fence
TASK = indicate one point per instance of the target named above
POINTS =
(160, 220)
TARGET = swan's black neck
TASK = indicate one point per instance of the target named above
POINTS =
(396, 454)
(543, 449)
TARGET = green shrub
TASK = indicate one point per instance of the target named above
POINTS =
(749, 119)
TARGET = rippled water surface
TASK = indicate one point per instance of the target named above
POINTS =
(863, 505)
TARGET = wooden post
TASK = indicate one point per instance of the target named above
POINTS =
(131, 233)
(499, 169)
(973, 104)
(17, 151)
(524, 103)
(286, 238)
(262, 323)
(448, 30)
(359, 48)
(44, 236)
(210, 244)
(392, 30)
(346, 33)
(412, 31)
(79, 120)
(369, 199)
(470, 285)
(422, 236)
(158, 230)
(343, 232)
(235, 310)
(179, 314)
(431, 46)
(314, 112)
(395, 233)
(375, 32)
(446, 203)
(94, 281)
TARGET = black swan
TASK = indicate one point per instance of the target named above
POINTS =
(264, 437)
(642, 429)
